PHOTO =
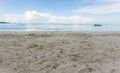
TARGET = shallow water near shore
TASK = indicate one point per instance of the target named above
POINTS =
(58, 27)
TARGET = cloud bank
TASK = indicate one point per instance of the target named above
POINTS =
(100, 7)
(38, 17)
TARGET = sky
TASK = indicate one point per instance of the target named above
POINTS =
(60, 11)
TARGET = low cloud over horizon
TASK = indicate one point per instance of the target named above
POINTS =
(38, 17)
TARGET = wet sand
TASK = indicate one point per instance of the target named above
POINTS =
(59, 52)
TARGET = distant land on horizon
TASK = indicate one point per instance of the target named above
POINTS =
(3, 22)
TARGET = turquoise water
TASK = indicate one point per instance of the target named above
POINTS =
(57, 27)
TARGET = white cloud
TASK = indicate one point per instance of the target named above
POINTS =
(101, 7)
(14, 18)
(37, 17)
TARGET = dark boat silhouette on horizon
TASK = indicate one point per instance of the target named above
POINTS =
(97, 24)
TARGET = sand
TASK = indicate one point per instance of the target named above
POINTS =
(59, 52)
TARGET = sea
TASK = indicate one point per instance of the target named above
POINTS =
(58, 27)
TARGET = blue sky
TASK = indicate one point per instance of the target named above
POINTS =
(63, 11)
(55, 6)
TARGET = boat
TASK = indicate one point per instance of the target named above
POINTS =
(97, 24)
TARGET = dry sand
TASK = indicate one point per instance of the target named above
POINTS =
(59, 52)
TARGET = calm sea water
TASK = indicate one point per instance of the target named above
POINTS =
(57, 27)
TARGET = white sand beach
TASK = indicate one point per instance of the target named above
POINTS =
(59, 52)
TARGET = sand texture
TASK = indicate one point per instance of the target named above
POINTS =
(59, 52)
